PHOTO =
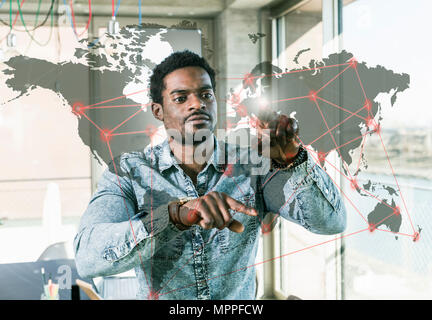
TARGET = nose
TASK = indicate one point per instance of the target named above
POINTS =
(196, 102)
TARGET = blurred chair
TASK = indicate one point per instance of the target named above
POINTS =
(122, 286)
(56, 251)
(118, 288)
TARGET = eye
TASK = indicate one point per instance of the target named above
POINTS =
(180, 99)
(207, 95)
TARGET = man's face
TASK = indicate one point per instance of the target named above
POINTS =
(189, 103)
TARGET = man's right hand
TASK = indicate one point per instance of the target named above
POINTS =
(212, 211)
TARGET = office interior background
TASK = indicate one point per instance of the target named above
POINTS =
(48, 174)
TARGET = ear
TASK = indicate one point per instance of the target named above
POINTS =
(157, 111)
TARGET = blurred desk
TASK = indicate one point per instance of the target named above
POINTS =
(23, 281)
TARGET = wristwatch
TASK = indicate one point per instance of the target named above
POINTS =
(174, 212)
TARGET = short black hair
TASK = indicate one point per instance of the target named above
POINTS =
(176, 60)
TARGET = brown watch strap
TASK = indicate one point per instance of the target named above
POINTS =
(174, 212)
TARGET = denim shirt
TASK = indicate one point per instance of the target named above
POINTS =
(126, 224)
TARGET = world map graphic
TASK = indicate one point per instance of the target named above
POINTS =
(333, 99)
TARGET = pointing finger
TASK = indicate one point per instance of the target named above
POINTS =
(240, 207)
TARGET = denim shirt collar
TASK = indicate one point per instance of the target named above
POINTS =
(167, 159)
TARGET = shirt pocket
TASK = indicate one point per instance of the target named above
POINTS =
(228, 240)
(172, 250)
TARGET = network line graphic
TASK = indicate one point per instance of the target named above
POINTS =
(315, 101)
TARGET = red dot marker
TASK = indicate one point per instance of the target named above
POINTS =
(396, 211)
(377, 128)
(372, 227)
(265, 228)
(353, 63)
(373, 125)
(368, 105)
(354, 184)
(106, 135)
(370, 122)
(321, 156)
(228, 170)
(153, 295)
(312, 95)
(78, 108)
(192, 216)
(416, 236)
(248, 80)
(150, 130)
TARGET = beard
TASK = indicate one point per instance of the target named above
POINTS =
(190, 136)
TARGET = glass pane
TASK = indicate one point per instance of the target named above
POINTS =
(392, 260)
(303, 35)
(300, 40)
(45, 176)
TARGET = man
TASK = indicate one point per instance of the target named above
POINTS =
(190, 225)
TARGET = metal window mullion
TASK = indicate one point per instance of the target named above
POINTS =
(331, 44)
(269, 240)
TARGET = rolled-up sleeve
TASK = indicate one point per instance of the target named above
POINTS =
(306, 195)
(113, 237)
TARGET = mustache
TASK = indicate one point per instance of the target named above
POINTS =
(199, 113)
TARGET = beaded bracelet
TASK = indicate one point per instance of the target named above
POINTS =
(299, 159)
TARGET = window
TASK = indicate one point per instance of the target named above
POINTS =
(45, 177)
(393, 169)
(385, 265)
(302, 269)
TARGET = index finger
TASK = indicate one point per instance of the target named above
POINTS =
(240, 207)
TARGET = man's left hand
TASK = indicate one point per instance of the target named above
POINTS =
(283, 131)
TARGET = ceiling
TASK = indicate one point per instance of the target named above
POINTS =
(183, 8)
